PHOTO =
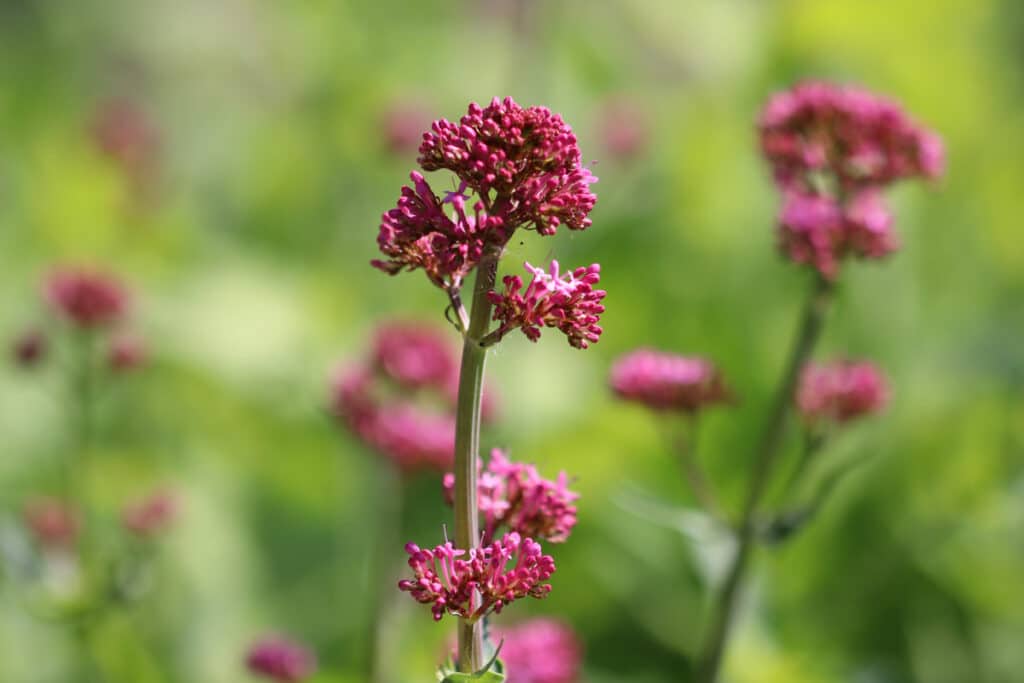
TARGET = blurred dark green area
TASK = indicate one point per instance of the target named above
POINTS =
(247, 245)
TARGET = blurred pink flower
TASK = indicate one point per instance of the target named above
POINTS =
(402, 124)
(414, 355)
(125, 133)
(667, 381)
(281, 660)
(540, 651)
(568, 302)
(515, 497)
(841, 391)
(482, 583)
(52, 522)
(29, 349)
(623, 129)
(151, 515)
(125, 352)
(86, 298)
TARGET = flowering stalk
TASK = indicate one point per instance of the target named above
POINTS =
(765, 460)
(467, 442)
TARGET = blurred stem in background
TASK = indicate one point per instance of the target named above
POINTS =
(765, 461)
(467, 443)
(696, 478)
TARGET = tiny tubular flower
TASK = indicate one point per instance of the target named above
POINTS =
(540, 651)
(840, 391)
(568, 302)
(513, 496)
(666, 381)
(473, 583)
(86, 298)
(281, 660)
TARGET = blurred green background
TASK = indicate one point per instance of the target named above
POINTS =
(246, 234)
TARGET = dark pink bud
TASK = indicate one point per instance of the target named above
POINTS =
(29, 349)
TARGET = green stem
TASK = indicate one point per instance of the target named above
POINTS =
(467, 443)
(765, 460)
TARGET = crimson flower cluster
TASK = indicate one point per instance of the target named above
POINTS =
(281, 660)
(525, 168)
(514, 496)
(840, 391)
(540, 651)
(668, 382)
(384, 400)
(832, 150)
(481, 583)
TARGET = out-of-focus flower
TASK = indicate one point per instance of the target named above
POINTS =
(811, 231)
(869, 225)
(29, 349)
(281, 660)
(125, 133)
(623, 129)
(86, 298)
(514, 496)
(666, 381)
(402, 124)
(540, 651)
(125, 352)
(150, 516)
(861, 138)
(482, 582)
(53, 524)
(568, 302)
(840, 391)
(413, 355)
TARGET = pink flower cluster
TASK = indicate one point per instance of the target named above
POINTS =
(568, 302)
(481, 583)
(832, 149)
(150, 516)
(280, 660)
(524, 166)
(514, 496)
(540, 651)
(840, 391)
(666, 381)
(385, 400)
(53, 524)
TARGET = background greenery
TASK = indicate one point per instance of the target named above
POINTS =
(249, 262)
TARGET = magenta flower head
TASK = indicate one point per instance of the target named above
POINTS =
(840, 391)
(126, 352)
(515, 497)
(52, 523)
(414, 356)
(540, 651)
(281, 660)
(29, 349)
(524, 166)
(150, 516)
(86, 298)
(568, 302)
(668, 382)
(474, 583)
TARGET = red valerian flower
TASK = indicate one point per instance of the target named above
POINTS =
(52, 522)
(840, 391)
(413, 355)
(126, 352)
(151, 515)
(667, 381)
(85, 297)
(568, 302)
(281, 660)
(474, 583)
(513, 496)
(540, 651)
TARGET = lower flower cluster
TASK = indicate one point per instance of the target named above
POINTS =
(481, 583)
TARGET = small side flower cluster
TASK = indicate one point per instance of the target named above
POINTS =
(514, 496)
(540, 651)
(832, 150)
(483, 582)
(668, 382)
(150, 516)
(840, 391)
(281, 660)
(53, 524)
(91, 302)
(384, 400)
(568, 302)
(525, 167)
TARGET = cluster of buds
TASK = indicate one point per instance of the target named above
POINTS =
(832, 150)
(481, 583)
(91, 302)
(280, 660)
(665, 381)
(515, 497)
(525, 167)
(840, 391)
(540, 651)
(383, 400)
